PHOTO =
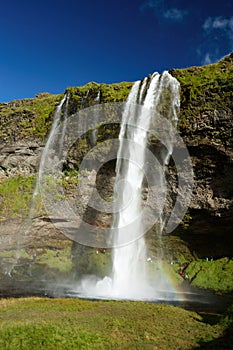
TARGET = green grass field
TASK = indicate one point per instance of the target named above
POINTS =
(42, 323)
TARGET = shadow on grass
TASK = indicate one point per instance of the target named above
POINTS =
(225, 342)
(211, 318)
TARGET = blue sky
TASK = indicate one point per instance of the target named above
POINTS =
(48, 45)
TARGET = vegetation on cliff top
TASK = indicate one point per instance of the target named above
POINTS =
(88, 94)
(205, 82)
(32, 118)
(27, 118)
(204, 90)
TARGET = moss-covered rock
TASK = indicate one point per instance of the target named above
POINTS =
(206, 124)
(207, 103)
(28, 118)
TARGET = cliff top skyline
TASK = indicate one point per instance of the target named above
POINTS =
(50, 45)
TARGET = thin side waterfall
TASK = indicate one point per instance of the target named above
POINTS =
(56, 121)
(94, 132)
(23, 234)
(131, 277)
(64, 124)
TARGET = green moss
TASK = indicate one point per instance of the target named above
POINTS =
(28, 117)
(213, 274)
(88, 262)
(85, 95)
(207, 81)
(55, 259)
(115, 92)
(204, 90)
(186, 221)
(16, 195)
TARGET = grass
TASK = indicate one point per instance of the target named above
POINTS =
(216, 274)
(77, 261)
(55, 259)
(28, 117)
(32, 118)
(206, 81)
(34, 263)
(16, 196)
(204, 90)
(36, 323)
(85, 95)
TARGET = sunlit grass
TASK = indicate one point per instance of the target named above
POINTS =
(216, 274)
(36, 323)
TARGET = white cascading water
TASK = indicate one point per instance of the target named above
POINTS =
(130, 278)
(56, 121)
(64, 123)
(24, 231)
(94, 132)
(129, 260)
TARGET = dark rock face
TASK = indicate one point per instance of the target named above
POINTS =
(206, 124)
(22, 157)
(209, 230)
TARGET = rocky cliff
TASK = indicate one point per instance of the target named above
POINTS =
(205, 124)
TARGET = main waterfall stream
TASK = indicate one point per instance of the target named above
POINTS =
(130, 278)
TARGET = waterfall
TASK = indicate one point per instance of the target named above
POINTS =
(128, 261)
(94, 133)
(130, 277)
(64, 124)
(23, 234)
(56, 121)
